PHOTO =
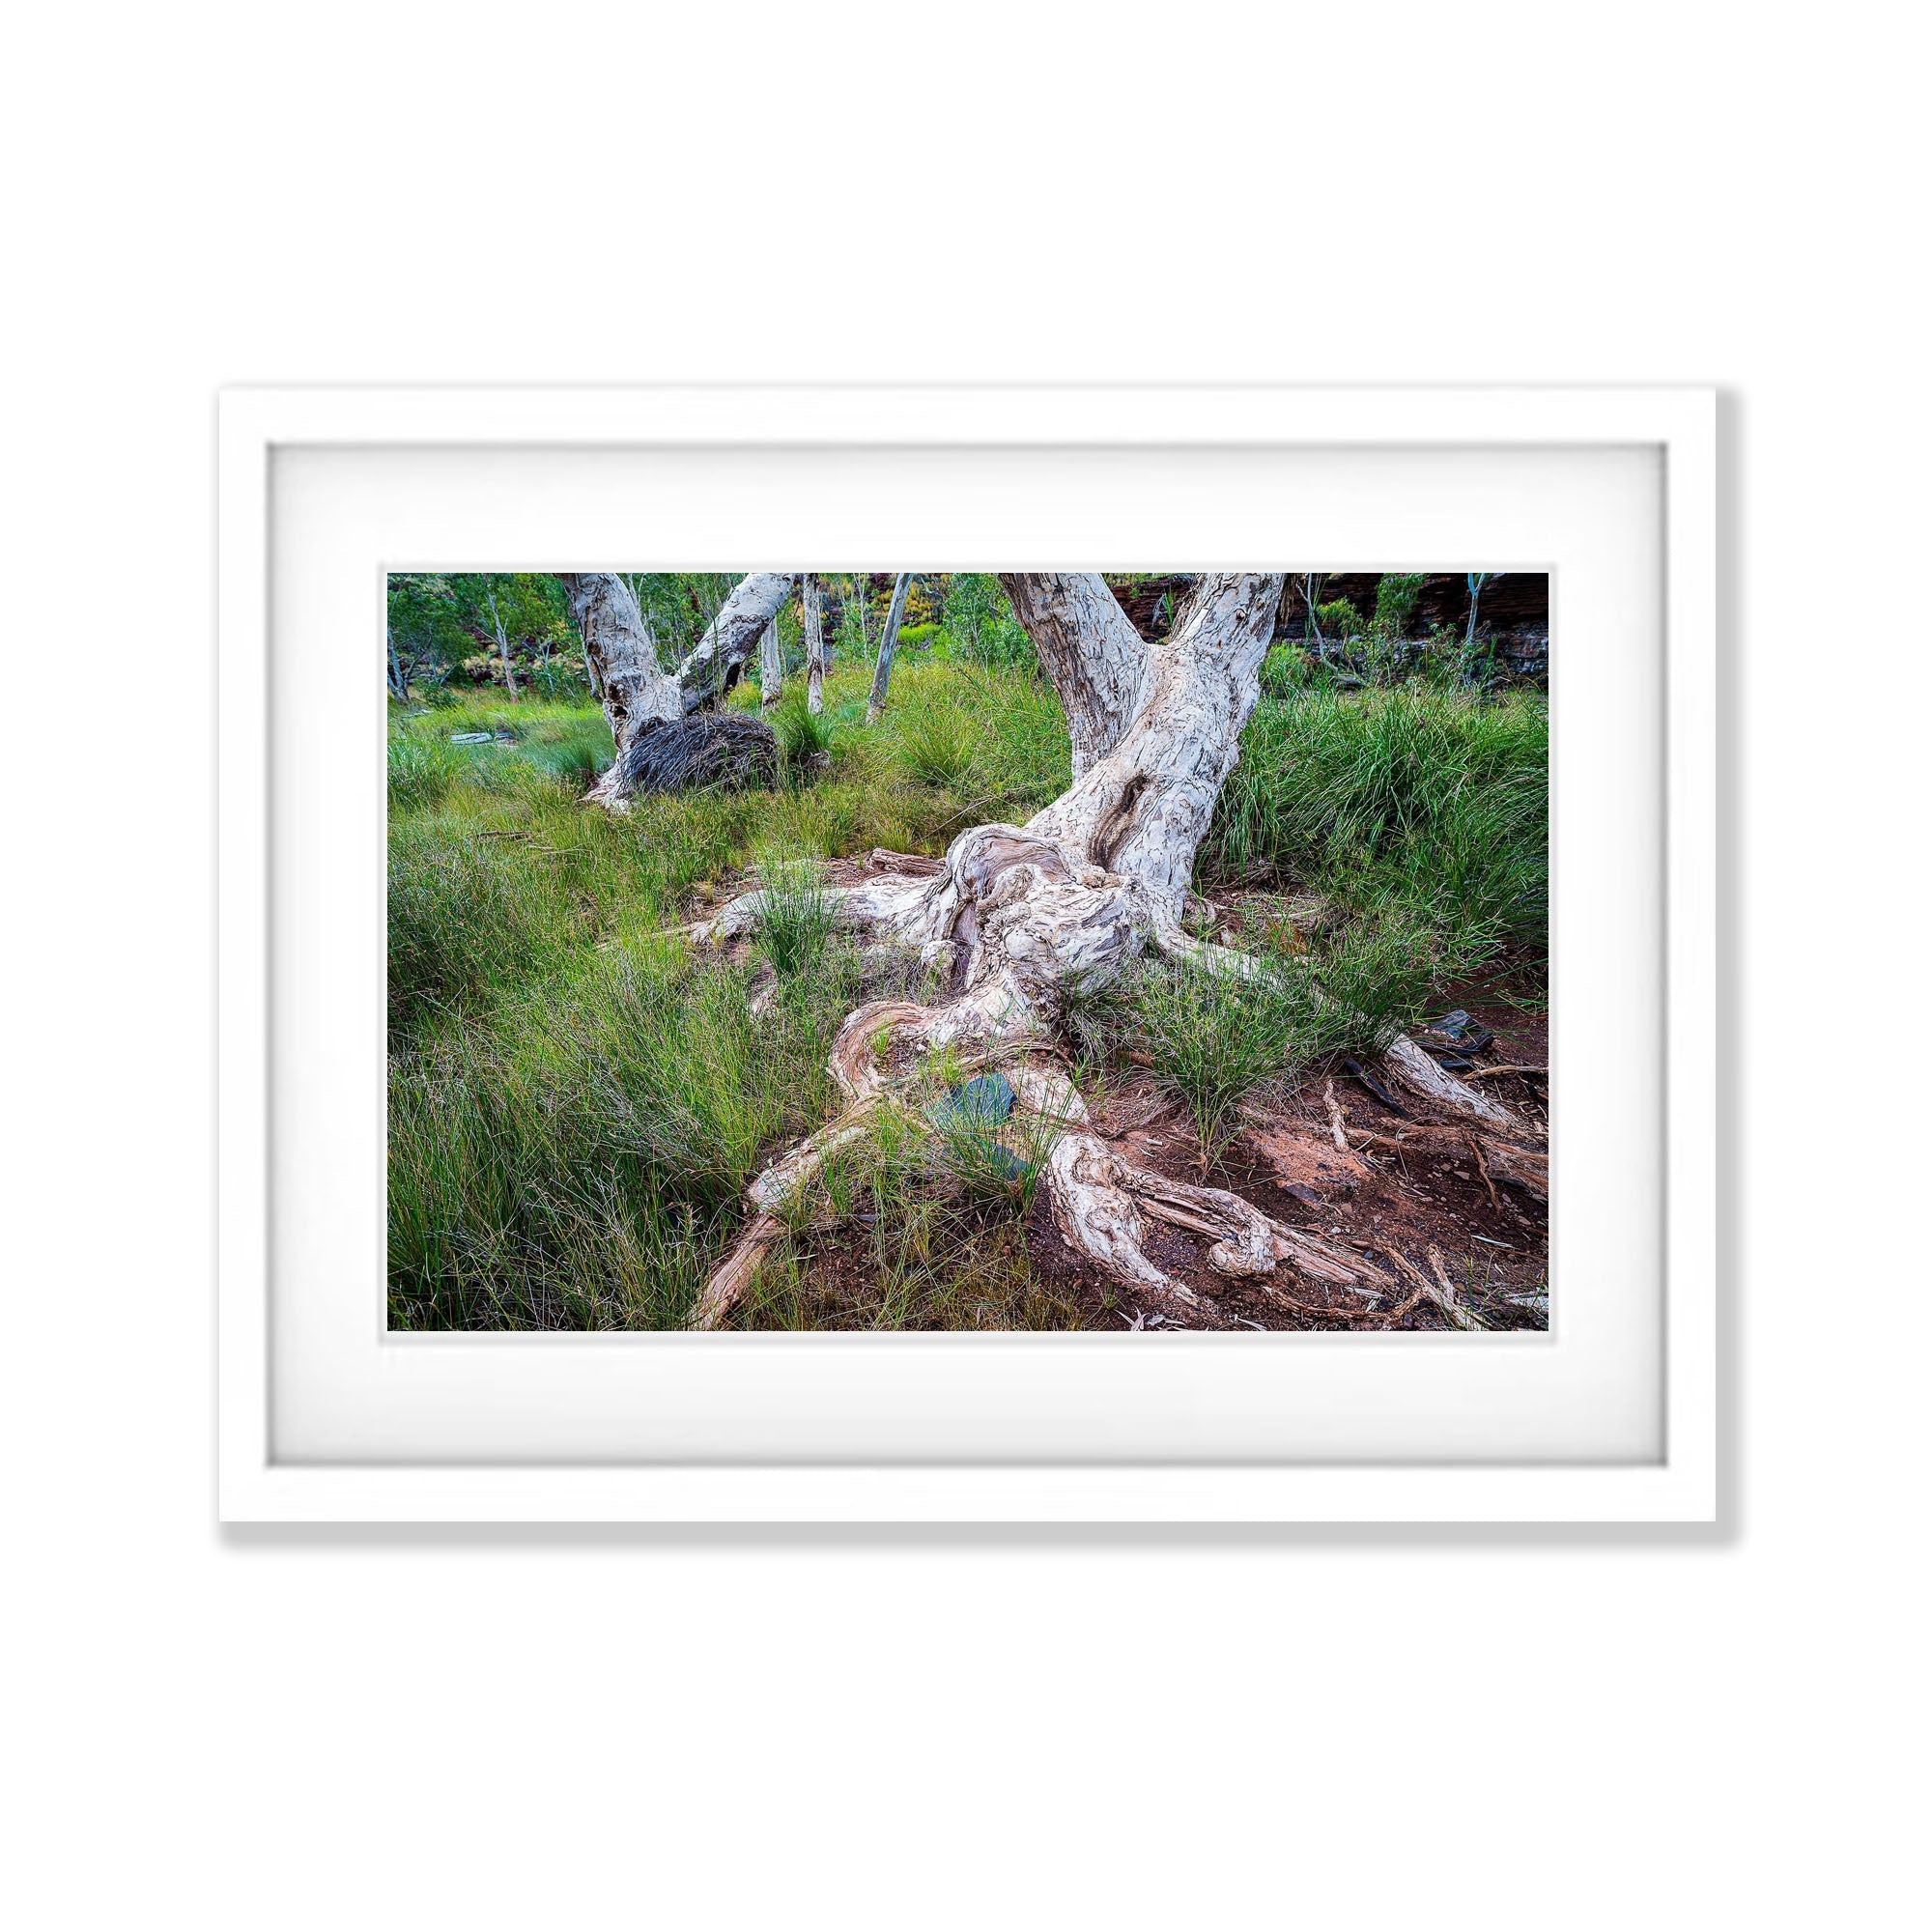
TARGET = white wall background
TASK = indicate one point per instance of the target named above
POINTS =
(588, 1729)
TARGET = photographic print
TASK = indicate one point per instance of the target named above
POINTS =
(937, 951)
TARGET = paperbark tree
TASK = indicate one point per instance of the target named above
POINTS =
(636, 690)
(882, 668)
(733, 636)
(1099, 875)
(812, 609)
(623, 655)
(771, 665)
(1086, 644)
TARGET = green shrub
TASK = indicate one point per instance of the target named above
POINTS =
(979, 621)
(1396, 599)
(1339, 619)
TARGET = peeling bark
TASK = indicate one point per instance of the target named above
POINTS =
(623, 659)
(771, 665)
(1143, 808)
(882, 668)
(1089, 650)
(733, 636)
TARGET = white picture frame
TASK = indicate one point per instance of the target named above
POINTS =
(292, 1451)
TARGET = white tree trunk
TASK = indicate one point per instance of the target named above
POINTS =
(812, 609)
(771, 665)
(503, 645)
(1101, 873)
(1092, 654)
(728, 643)
(882, 669)
(621, 654)
(1143, 808)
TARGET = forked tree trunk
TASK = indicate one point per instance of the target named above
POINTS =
(882, 669)
(771, 665)
(1089, 649)
(812, 611)
(622, 657)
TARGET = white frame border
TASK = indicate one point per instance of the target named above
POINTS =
(1681, 422)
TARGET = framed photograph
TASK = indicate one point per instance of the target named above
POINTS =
(825, 954)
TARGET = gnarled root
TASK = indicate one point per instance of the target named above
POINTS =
(1526, 1168)
(1011, 913)
(1414, 1069)
(1100, 1201)
(735, 1274)
(773, 1194)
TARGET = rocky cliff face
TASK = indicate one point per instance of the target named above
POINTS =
(1514, 608)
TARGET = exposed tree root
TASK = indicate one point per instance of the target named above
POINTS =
(1438, 1292)
(1413, 1069)
(731, 1279)
(1006, 916)
(1526, 1168)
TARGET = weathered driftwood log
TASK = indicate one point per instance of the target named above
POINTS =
(709, 749)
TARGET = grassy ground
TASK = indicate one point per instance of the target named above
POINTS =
(576, 1107)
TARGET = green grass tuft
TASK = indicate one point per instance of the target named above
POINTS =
(797, 920)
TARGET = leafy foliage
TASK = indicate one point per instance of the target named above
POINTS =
(979, 621)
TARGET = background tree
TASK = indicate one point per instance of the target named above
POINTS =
(516, 612)
(811, 608)
(771, 665)
(1311, 590)
(621, 651)
(424, 638)
(882, 668)
(1476, 578)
